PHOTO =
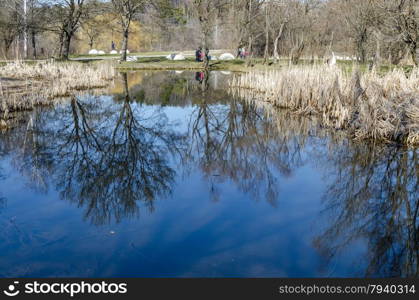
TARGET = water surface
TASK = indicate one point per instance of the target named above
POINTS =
(169, 175)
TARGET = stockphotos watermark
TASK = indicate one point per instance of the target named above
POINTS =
(71, 289)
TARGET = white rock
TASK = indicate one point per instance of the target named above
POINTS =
(132, 58)
(101, 52)
(332, 60)
(113, 52)
(214, 57)
(227, 56)
(179, 57)
(120, 52)
(175, 56)
(93, 52)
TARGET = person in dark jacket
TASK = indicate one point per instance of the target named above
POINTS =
(198, 54)
(207, 55)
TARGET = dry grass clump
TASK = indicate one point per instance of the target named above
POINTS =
(23, 86)
(369, 105)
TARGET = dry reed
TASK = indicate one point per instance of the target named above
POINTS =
(370, 106)
(23, 86)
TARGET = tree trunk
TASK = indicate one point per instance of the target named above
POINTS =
(25, 29)
(361, 46)
(296, 52)
(413, 53)
(206, 46)
(362, 55)
(67, 42)
(34, 43)
(266, 52)
(91, 42)
(125, 44)
(61, 40)
(277, 38)
(7, 45)
(17, 49)
(250, 35)
(206, 61)
(249, 50)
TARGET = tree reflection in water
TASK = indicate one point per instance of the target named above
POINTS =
(374, 196)
(110, 156)
(229, 139)
(107, 158)
(239, 142)
(2, 198)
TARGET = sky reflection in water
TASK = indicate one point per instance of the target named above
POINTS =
(170, 176)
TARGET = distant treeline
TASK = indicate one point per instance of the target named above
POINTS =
(377, 30)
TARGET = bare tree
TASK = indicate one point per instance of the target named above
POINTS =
(368, 29)
(207, 13)
(126, 11)
(65, 19)
(94, 22)
(281, 17)
(400, 22)
(359, 20)
(10, 24)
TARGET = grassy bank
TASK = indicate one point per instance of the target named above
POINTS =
(161, 63)
(381, 105)
(23, 86)
(238, 65)
(368, 105)
(190, 53)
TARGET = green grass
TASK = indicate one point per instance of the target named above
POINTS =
(156, 53)
(237, 65)
(161, 63)
(117, 55)
(146, 53)
(350, 66)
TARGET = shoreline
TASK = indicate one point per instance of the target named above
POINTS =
(304, 89)
(367, 105)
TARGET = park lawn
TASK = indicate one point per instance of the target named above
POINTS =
(237, 65)
(147, 53)
(257, 64)
(161, 63)
(158, 53)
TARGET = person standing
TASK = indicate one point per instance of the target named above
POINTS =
(198, 54)
(207, 55)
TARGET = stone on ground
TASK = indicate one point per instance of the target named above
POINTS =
(179, 57)
(227, 56)
(132, 58)
(175, 56)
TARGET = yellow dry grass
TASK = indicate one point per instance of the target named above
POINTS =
(23, 86)
(369, 105)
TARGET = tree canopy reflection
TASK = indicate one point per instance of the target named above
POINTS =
(110, 155)
(106, 157)
(375, 197)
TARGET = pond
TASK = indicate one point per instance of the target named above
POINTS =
(168, 174)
